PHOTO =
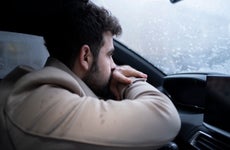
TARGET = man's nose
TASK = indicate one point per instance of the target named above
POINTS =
(112, 64)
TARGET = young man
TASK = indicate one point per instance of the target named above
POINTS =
(62, 105)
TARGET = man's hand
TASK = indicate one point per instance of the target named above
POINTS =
(120, 76)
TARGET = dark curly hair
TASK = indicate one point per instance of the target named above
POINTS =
(79, 23)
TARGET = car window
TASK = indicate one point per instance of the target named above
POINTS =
(188, 36)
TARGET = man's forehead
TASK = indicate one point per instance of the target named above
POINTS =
(108, 41)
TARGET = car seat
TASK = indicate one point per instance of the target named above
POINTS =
(21, 49)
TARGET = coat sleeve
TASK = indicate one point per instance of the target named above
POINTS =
(146, 117)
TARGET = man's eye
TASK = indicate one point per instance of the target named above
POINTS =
(110, 54)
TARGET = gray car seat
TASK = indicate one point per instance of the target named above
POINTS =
(21, 49)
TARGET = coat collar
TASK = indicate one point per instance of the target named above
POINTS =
(52, 62)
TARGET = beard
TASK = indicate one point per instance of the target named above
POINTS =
(95, 82)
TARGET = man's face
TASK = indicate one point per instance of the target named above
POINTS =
(100, 72)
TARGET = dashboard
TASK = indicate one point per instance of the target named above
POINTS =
(203, 102)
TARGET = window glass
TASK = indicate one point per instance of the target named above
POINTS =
(188, 36)
(21, 49)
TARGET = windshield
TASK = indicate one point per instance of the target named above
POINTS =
(189, 36)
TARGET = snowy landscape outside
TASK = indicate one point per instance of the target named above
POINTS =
(189, 36)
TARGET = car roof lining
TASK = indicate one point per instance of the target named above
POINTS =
(26, 16)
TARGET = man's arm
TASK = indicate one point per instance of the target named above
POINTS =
(121, 76)
(49, 104)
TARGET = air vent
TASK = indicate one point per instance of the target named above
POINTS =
(203, 141)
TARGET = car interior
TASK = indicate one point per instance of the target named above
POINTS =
(202, 99)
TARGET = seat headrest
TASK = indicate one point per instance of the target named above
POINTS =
(21, 49)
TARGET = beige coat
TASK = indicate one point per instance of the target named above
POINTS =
(53, 109)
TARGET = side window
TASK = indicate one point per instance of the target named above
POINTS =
(21, 49)
(189, 36)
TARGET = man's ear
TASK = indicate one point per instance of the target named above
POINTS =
(85, 57)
